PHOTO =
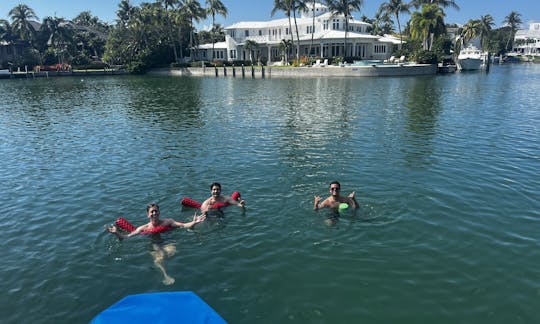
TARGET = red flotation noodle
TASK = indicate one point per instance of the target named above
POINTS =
(127, 226)
(188, 202)
(235, 196)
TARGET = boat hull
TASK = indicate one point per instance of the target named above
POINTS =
(469, 64)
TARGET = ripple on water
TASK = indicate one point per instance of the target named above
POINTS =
(446, 180)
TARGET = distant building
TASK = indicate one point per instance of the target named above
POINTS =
(527, 41)
(328, 34)
(10, 51)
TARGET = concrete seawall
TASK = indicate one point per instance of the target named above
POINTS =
(299, 72)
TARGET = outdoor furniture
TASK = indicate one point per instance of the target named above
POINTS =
(390, 60)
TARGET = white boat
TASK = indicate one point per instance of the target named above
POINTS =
(471, 58)
(4, 74)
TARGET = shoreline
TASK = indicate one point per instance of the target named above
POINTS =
(46, 74)
(300, 72)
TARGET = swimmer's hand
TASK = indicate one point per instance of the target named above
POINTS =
(242, 203)
(351, 195)
(316, 202)
(112, 229)
(198, 219)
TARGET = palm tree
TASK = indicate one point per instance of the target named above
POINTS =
(381, 24)
(60, 35)
(346, 8)
(20, 21)
(427, 25)
(250, 45)
(470, 30)
(441, 3)
(513, 20)
(166, 5)
(284, 47)
(193, 10)
(285, 6)
(125, 12)
(215, 7)
(312, 25)
(486, 24)
(6, 31)
(297, 5)
(395, 7)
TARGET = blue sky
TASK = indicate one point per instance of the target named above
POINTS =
(249, 10)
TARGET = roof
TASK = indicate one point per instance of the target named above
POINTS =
(285, 22)
(216, 45)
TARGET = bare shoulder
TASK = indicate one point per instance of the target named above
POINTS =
(207, 201)
(167, 221)
(144, 227)
(325, 202)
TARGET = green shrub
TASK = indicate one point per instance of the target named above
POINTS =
(200, 64)
(425, 57)
(137, 67)
(96, 65)
(180, 65)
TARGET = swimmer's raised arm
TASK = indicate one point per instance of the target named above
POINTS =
(316, 202)
(112, 229)
(196, 219)
(241, 203)
(352, 198)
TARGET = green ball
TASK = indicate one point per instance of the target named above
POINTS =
(343, 206)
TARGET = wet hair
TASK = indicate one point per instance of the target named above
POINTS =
(150, 205)
(215, 184)
(335, 182)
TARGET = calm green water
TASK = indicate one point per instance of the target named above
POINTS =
(445, 169)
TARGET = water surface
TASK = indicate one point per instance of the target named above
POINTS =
(445, 169)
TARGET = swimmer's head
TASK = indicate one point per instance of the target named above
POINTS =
(335, 187)
(215, 188)
(152, 210)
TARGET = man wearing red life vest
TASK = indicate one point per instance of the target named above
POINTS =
(217, 200)
(155, 226)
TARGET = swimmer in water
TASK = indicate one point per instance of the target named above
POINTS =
(160, 252)
(335, 198)
(216, 197)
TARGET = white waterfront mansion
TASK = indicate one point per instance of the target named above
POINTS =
(527, 41)
(318, 30)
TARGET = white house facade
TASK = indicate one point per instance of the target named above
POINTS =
(320, 34)
(527, 41)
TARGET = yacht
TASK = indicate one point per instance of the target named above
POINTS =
(471, 58)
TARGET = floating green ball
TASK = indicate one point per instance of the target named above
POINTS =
(343, 206)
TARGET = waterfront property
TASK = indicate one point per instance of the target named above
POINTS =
(320, 34)
(527, 42)
(349, 70)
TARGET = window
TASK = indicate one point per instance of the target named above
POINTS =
(233, 54)
(335, 24)
(286, 31)
(379, 49)
(218, 54)
(325, 24)
(246, 33)
(260, 32)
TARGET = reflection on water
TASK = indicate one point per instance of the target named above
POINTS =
(423, 107)
(444, 169)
